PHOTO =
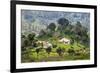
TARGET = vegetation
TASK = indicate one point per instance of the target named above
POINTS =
(46, 46)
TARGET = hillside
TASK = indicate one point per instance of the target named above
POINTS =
(54, 36)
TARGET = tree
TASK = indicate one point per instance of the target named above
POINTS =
(51, 26)
(71, 51)
(68, 30)
(63, 21)
(48, 50)
(72, 40)
(59, 51)
(35, 44)
(37, 51)
(77, 31)
(78, 28)
(54, 45)
(31, 38)
(23, 36)
(81, 34)
(24, 44)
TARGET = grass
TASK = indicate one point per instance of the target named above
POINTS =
(53, 56)
(31, 56)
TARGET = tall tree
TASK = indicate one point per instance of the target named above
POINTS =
(63, 21)
(48, 50)
(51, 26)
(31, 38)
(24, 44)
(78, 31)
(80, 34)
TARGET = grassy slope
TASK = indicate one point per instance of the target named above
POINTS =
(32, 56)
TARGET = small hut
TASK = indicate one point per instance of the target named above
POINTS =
(65, 41)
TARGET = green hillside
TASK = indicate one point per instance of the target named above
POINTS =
(56, 43)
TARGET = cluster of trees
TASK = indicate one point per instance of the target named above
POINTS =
(27, 41)
(76, 32)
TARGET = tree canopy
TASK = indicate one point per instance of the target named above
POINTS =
(63, 21)
(51, 26)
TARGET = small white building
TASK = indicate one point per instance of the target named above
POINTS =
(46, 44)
(64, 40)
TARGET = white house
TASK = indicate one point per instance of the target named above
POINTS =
(46, 44)
(65, 41)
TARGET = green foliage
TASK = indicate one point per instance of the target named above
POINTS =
(71, 51)
(51, 26)
(37, 50)
(62, 53)
(48, 50)
(26, 42)
(63, 21)
(23, 36)
(78, 49)
(59, 51)
(35, 44)
(54, 45)
(31, 36)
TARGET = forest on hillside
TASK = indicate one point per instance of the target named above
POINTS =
(59, 39)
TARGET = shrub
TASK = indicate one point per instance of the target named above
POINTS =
(48, 50)
(59, 51)
(54, 45)
(71, 51)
